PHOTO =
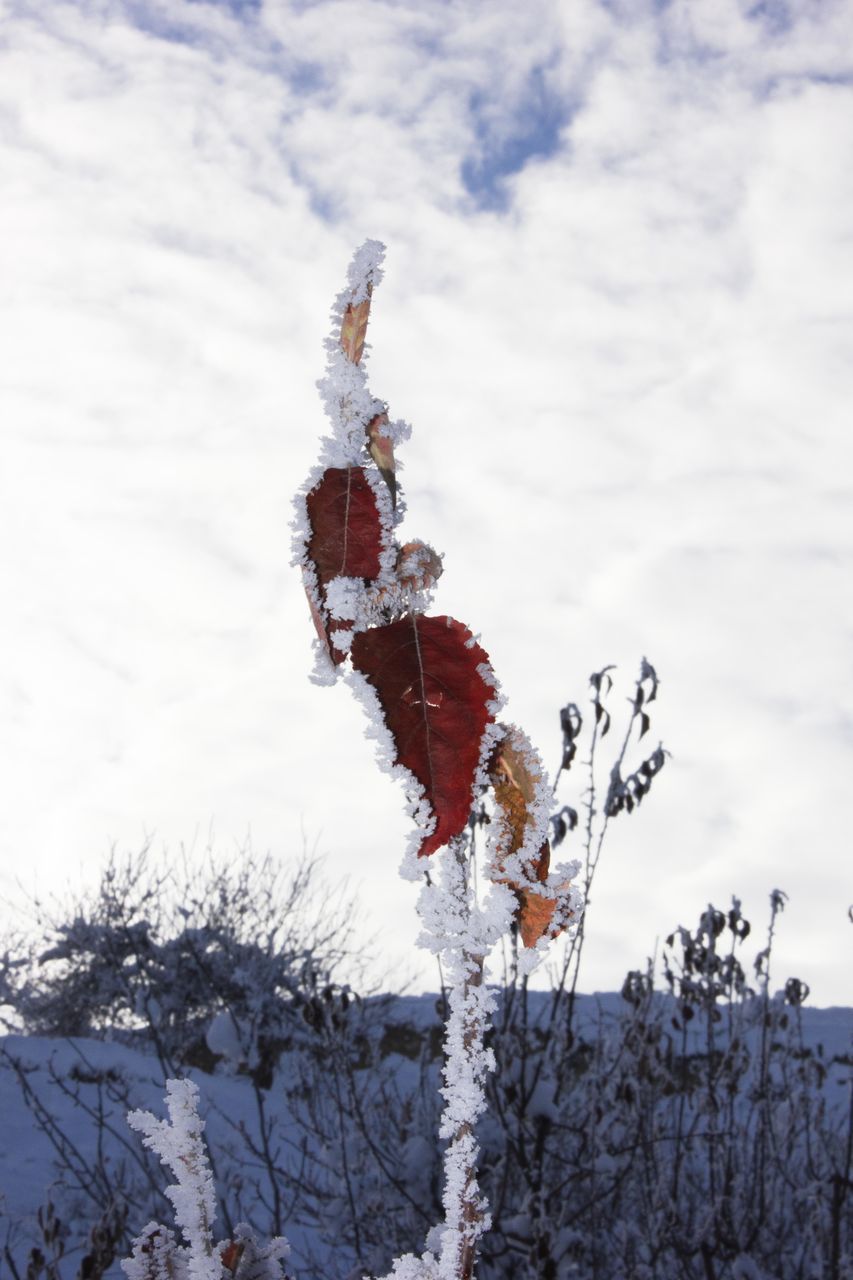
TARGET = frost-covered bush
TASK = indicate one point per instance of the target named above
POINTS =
(93, 1252)
(694, 1133)
(683, 1130)
(217, 960)
(616, 1143)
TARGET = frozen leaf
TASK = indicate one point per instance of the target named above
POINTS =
(346, 540)
(354, 327)
(363, 273)
(515, 774)
(346, 531)
(381, 448)
(534, 917)
(230, 1254)
(418, 566)
(602, 683)
(521, 794)
(650, 676)
(245, 1258)
(435, 689)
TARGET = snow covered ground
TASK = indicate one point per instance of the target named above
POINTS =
(55, 1069)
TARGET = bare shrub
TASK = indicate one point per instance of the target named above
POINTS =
(160, 947)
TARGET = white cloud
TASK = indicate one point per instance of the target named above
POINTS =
(628, 393)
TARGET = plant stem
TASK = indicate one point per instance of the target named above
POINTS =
(468, 1208)
(466, 1065)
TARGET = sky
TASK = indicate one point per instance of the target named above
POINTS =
(618, 313)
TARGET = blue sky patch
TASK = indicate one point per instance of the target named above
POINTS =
(504, 147)
(238, 7)
(185, 30)
(629, 10)
(774, 15)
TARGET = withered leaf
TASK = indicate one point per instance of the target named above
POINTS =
(354, 328)
(381, 450)
(515, 772)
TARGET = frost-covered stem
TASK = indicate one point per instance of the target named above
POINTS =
(179, 1145)
(466, 1211)
(462, 932)
(466, 1065)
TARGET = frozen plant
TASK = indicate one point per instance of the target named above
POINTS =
(156, 1254)
(432, 702)
(178, 1143)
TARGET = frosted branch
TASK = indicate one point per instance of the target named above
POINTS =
(463, 933)
(178, 1143)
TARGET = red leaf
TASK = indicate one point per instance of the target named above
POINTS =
(346, 532)
(435, 702)
(231, 1253)
(346, 537)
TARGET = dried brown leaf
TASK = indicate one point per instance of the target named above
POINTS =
(534, 916)
(381, 450)
(515, 776)
(354, 328)
(418, 566)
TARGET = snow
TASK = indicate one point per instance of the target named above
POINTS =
(389, 517)
(363, 273)
(223, 1038)
(348, 403)
(411, 1268)
(344, 597)
(155, 1256)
